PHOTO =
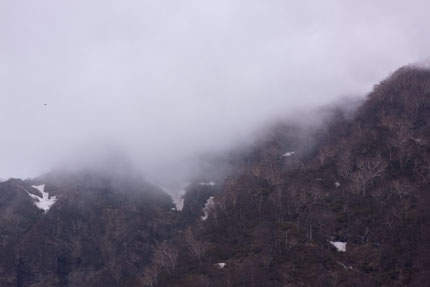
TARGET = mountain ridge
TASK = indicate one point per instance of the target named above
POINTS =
(348, 208)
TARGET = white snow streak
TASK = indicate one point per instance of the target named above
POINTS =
(289, 153)
(45, 202)
(340, 246)
(178, 200)
(208, 206)
(220, 265)
(177, 195)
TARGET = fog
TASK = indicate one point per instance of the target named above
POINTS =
(167, 81)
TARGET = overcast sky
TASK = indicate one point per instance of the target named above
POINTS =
(168, 80)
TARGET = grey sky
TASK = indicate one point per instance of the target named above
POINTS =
(167, 80)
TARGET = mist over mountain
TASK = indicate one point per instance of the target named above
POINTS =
(166, 82)
(214, 143)
(341, 203)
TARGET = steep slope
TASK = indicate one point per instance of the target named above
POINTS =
(99, 232)
(342, 205)
(353, 211)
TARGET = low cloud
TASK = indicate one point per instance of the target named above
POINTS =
(166, 81)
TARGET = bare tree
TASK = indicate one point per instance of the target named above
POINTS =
(367, 171)
(115, 268)
(358, 130)
(334, 276)
(290, 241)
(401, 188)
(221, 203)
(292, 194)
(266, 259)
(165, 256)
(258, 199)
(405, 206)
(325, 153)
(400, 129)
(150, 276)
(422, 173)
(360, 181)
(314, 195)
(196, 247)
(344, 164)
(277, 198)
(400, 135)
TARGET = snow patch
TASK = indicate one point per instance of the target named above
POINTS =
(211, 183)
(220, 265)
(336, 184)
(45, 202)
(289, 153)
(208, 206)
(178, 200)
(177, 195)
(340, 246)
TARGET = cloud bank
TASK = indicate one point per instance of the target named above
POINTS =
(169, 80)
